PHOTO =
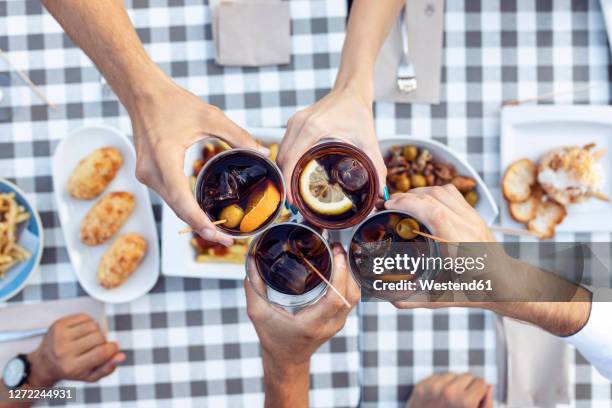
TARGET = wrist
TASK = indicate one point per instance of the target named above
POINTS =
(360, 85)
(40, 374)
(283, 370)
(147, 91)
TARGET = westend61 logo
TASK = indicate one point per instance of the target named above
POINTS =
(413, 265)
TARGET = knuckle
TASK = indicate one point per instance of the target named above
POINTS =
(142, 172)
(447, 394)
(438, 192)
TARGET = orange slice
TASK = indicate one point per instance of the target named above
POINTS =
(263, 202)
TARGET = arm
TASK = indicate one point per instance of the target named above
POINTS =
(585, 320)
(346, 112)
(74, 348)
(166, 119)
(289, 340)
(368, 27)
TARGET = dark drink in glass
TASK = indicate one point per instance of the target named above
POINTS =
(242, 190)
(286, 258)
(334, 185)
(389, 234)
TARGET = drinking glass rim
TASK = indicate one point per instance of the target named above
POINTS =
(255, 240)
(362, 223)
(303, 207)
(220, 155)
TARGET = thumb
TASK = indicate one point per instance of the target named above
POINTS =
(219, 125)
(177, 193)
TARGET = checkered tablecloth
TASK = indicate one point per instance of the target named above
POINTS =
(189, 342)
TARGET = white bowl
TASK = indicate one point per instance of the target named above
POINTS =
(486, 206)
(18, 276)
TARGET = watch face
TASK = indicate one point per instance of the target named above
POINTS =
(13, 372)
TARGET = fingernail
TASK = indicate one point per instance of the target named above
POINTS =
(287, 205)
(386, 193)
(294, 210)
(119, 358)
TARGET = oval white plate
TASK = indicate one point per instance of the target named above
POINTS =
(69, 152)
(486, 206)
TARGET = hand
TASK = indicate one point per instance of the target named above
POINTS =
(449, 216)
(445, 212)
(451, 391)
(290, 340)
(343, 114)
(164, 126)
(74, 348)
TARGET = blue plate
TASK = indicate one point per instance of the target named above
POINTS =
(16, 278)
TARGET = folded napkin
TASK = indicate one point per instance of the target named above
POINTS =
(424, 23)
(251, 33)
(535, 371)
(38, 315)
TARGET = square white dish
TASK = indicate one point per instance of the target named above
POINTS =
(530, 131)
(178, 256)
(71, 211)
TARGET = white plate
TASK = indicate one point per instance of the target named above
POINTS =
(178, 256)
(530, 131)
(486, 206)
(69, 152)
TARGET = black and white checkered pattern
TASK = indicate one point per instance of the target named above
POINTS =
(189, 342)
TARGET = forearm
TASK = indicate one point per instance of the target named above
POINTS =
(559, 318)
(285, 386)
(104, 31)
(368, 27)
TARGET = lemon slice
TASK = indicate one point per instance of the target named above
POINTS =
(319, 194)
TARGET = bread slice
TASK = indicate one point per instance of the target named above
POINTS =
(549, 214)
(518, 180)
(525, 211)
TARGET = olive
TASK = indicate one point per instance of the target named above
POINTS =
(406, 227)
(471, 197)
(418, 180)
(402, 183)
(232, 214)
(410, 152)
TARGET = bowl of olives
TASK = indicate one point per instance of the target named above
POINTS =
(413, 163)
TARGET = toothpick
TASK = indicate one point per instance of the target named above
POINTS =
(550, 95)
(435, 238)
(600, 153)
(187, 230)
(27, 80)
(346, 302)
(600, 196)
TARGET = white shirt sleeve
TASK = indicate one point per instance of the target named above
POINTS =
(594, 340)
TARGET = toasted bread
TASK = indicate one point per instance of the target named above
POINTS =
(518, 180)
(526, 211)
(549, 214)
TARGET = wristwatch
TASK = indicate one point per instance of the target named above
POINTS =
(16, 372)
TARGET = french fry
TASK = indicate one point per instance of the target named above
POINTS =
(11, 214)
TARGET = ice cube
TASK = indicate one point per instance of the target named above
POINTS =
(249, 175)
(289, 275)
